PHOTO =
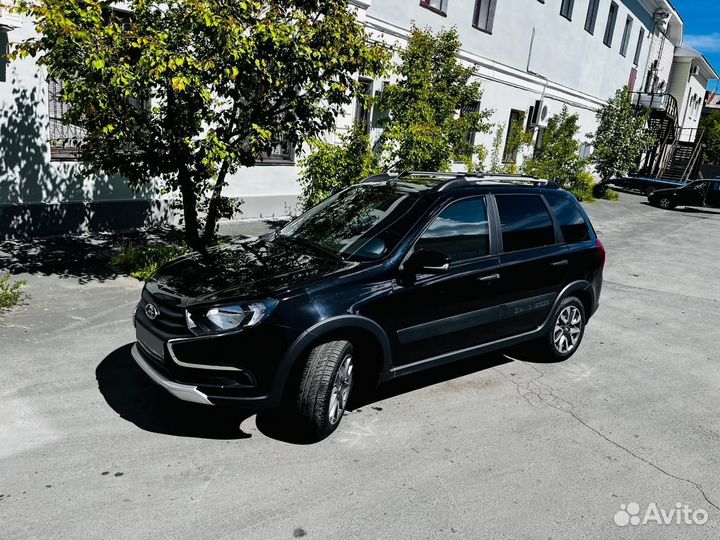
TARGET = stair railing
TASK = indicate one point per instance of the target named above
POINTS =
(695, 155)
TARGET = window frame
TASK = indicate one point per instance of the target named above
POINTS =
(627, 32)
(610, 24)
(638, 47)
(442, 10)
(490, 23)
(559, 240)
(566, 9)
(591, 16)
(493, 228)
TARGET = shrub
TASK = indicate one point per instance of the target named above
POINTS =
(330, 168)
(141, 261)
(582, 186)
(602, 191)
(10, 293)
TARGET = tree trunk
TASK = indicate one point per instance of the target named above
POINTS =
(190, 214)
(214, 205)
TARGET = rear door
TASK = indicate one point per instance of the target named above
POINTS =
(533, 263)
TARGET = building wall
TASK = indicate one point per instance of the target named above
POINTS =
(533, 52)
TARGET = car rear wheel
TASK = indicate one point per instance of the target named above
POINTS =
(566, 330)
(325, 387)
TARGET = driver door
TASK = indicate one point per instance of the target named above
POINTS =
(694, 194)
(429, 316)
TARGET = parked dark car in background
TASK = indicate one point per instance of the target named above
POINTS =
(699, 193)
(642, 185)
(395, 275)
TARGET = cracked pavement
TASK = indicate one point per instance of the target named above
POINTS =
(495, 447)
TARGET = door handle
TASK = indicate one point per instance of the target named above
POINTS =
(563, 262)
(490, 277)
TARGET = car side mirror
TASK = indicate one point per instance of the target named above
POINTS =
(427, 262)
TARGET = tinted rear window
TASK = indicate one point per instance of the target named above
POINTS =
(572, 223)
(525, 222)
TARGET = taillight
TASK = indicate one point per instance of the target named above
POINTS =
(601, 251)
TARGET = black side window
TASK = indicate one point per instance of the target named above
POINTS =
(572, 223)
(525, 222)
(461, 231)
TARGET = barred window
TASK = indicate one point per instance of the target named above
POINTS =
(65, 138)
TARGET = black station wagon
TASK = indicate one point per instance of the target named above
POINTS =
(395, 275)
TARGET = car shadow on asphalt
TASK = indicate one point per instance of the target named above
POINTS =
(137, 399)
(131, 394)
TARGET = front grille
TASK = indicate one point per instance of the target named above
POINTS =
(171, 318)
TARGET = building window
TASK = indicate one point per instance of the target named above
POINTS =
(379, 116)
(638, 48)
(514, 126)
(4, 49)
(484, 15)
(438, 6)
(591, 17)
(626, 36)
(363, 108)
(610, 27)
(566, 9)
(65, 138)
(465, 111)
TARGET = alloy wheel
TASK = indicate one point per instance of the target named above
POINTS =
(568, 328)
(342, 384)
(664, 202)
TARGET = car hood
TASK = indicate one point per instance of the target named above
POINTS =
(249, 268)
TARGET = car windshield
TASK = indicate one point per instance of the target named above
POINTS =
(355, 223)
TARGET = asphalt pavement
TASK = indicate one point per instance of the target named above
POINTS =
(495, 447)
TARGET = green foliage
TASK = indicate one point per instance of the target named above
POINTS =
(711, 126)
(141, 261)
(621, 137)
(329, 168)
(582, 186)
(188, 91)
(602, 191)
(558, 158)
(10, 291)
(422, 128)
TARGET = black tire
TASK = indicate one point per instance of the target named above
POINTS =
(318, 392)
(549, 347)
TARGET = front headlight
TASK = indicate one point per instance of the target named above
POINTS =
(229, 317)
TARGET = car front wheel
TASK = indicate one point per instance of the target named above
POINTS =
(325, 387)
(665, 202)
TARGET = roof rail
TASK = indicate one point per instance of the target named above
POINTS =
(459, 179)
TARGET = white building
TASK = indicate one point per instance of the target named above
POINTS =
(533, 57)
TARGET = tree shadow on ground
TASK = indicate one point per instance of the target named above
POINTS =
(87, 257)
(130, 393)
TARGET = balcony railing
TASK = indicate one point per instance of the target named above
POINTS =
(8, 20)
(656, 102)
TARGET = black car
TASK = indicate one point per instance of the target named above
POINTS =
(642, 185)
(395, 275)
(698, 193)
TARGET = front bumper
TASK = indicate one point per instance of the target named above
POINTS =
(182, 391)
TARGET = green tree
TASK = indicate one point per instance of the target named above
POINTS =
(188, 91)
(710, 125)
(329, 168)
(432, 108)
(558, 158)
(621, 137)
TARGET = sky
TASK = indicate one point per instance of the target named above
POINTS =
(702, 28)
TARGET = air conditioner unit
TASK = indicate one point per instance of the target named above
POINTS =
(538, 116)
